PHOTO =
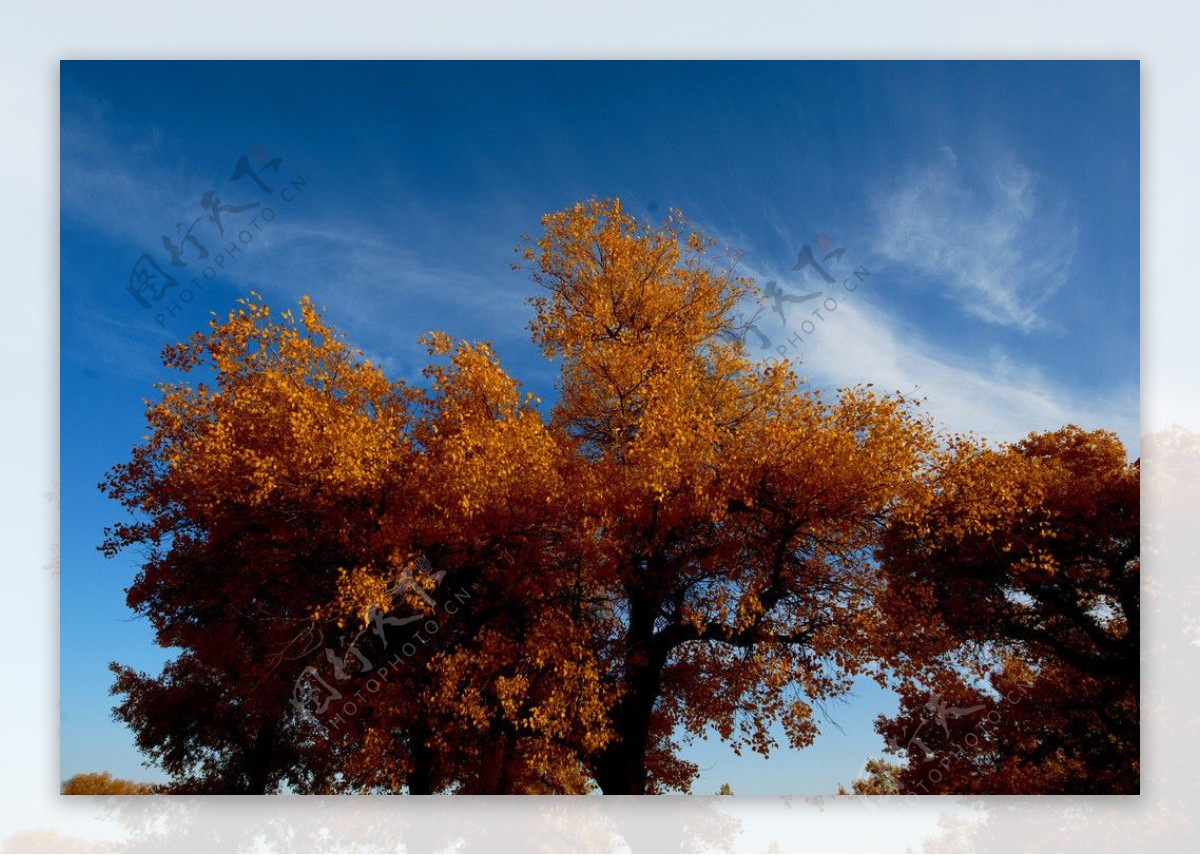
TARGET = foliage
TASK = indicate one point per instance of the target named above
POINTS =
(880, 780)
(1014, 583)
(104, 784)
(685, 542)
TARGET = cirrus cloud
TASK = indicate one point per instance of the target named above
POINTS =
(986, 235)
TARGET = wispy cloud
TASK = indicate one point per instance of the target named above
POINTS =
(985, 234)
(384, 279)
(389, 293)
(996, 395)
(119, 181)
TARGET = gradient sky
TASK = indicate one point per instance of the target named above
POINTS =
(995, 206)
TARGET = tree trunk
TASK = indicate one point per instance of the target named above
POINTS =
(620, 769)
(420, 782)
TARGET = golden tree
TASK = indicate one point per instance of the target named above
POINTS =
(1013, 582)
(104, 784)
(683, 543)
(726, 514)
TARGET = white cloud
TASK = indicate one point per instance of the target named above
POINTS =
(985, 235)
(997, 396)
(381, 283)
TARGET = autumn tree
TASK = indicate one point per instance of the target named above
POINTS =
(726, 512)
(684, 542)
(879, 780)
(256, 483)
(104, 784)
(1164, 820)
(1013, 581)
(284, 498)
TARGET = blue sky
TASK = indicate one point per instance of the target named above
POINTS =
(995, 206)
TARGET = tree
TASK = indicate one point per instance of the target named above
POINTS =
(287, 498)
(684, 543)
(880, 780)
(1014, 582)
(288, 438)
(727, 512)
(104, 784)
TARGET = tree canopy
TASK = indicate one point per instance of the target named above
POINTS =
(1014, 581)
(104, 784)
(431, 585)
